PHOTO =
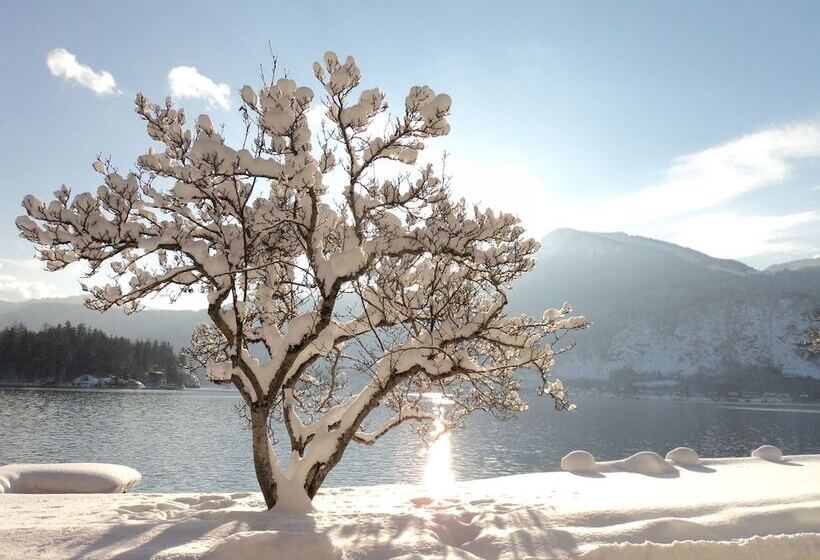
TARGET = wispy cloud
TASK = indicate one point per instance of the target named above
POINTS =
(15, 289)
(64, 64)
(25, 279)
(186, 81)
(692, 183)
(718, 174)
(736, 236)
(692, 203)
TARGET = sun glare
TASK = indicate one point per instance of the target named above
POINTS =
(438, 473)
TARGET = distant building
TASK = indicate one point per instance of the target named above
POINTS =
(190, 381)
(134, 384)
(85, 381)
(116, 382)
(155, 379)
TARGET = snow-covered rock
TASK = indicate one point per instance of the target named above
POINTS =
(67, 478)
(581, 462)
(768, 452)
(643, 462)
(683, 456)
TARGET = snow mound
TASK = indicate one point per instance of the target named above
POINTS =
(643, 462)
(579, 461)
(768, 452)
(67, 478)
(683, 456)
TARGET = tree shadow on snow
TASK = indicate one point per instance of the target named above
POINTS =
(145, 539)
(114, 543)
(671, 474)
(590, 474)
(697, 468)
(784, 462)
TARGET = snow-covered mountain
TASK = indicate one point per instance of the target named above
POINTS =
(659, 307)
(655, 307)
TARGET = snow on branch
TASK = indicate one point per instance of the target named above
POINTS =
(369, 438)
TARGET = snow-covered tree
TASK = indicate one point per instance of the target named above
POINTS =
(333, 290)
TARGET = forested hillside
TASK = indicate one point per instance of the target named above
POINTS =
(61, 353)
(173, 326)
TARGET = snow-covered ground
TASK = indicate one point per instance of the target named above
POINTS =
(722, 508)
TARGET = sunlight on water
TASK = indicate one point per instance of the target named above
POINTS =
(438, 473)
(172, 437)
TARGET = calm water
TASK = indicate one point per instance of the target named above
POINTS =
(195, 441)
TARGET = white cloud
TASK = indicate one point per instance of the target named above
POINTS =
(734, 236)
(15, 289)
(186, 81)
(62, 63)
(691, 204)
(716, 175)
(22, 279)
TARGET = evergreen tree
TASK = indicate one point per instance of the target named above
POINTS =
(64, 352)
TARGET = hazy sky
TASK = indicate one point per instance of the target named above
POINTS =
(692, 122)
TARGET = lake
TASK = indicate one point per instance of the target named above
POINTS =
(195, 440)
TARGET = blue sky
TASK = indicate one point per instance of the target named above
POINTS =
(696, 122)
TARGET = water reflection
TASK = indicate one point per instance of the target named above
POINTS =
(438, 471)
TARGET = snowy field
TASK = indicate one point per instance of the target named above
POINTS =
(748, 508)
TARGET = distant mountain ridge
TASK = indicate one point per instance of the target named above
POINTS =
(801, 264)
(654, 307)
(684, 253)
(174, 327)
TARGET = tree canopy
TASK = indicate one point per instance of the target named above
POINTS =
(322, 253)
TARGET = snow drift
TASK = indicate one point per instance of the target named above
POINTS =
(67, 478)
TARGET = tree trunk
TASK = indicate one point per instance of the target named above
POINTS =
(262, 455)
(314, 480)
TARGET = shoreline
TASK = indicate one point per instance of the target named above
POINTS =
(78, 388)
(808, 404)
